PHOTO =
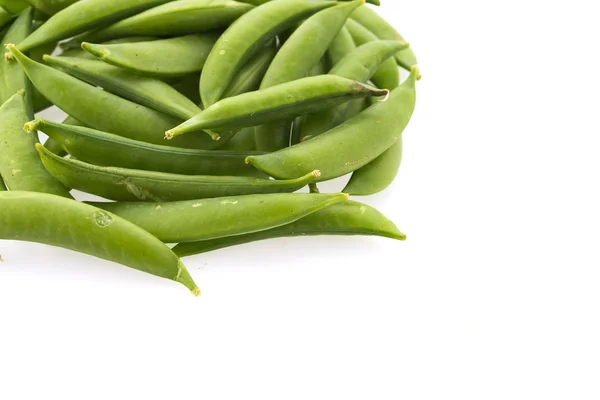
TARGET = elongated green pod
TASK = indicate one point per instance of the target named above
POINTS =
(82, 16)
(349, 146)
(345, 219)
(50, 7)
(14, 7)
(242, 141)
(340, 47)
(101, 148)
(102, 110)
(123, 184)
(280, 102)
(81, 53)
(156, 58)
(247, 36)
(53, 145)
(176, 18)
(150, 92)
(20, 167)
(188, 221)
(56, 221)
(250, 76)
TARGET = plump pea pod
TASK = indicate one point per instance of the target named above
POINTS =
(349, 146)
(82, 16)
(123, 184)
(189, 221)
(101, 110)
(347, 219)
(12, 77)
(157, 58)
(250, 76)
(79, 52)
(51, 7)
(247, 36)
(172, 19)
(388, 75)
(100, 148)
(298, 55)
(60, 222)
(342, 45)
(5, 17)
(383, 30)
(144, 90)
(53, 145)
(280, 102)
(20, 166)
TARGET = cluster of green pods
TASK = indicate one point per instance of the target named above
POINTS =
(197, 121)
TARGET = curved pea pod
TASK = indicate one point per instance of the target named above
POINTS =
(144, 90)
(245, 37)
(102, 110)
(123, 184)
(20, 166)
(344, 219)
(342, 45)
(349, 146)
(60, 222)
(383, 30)
(250, 76)
(82, 16)
(172, 19)
(280, 102)
(156, 58)
(53, 145)
(101, 148)
(188, 221)
(80, 53)
(51, 7)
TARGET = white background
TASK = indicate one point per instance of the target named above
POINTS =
(495, 295)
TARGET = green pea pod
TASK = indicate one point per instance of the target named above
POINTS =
(82, 16)
(280, 102)
(172, 19)
(156, 58)
(342, 45)
(383, 30)
(189, 221)
(100, 148)
(53, 145)
(12, 77)
(347, 219)
(5, 17)
(388, 75)
(123, 184)
(80, 53)
(241, 142)
(251, 74)
(14, 7)
(51, 7)
(298, 55)
(56, 221)
(144, 90)
(102, 110)
(20, 167)
(247, 36)
(349, 146)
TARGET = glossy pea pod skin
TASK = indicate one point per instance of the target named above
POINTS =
(250, 76)
(342, 45)
(344, 219)
(123, 184)
(245, 37)
(188, 221)
(299, 54)
(80, 53)
(150, 92)
(102, 110)
(349, 146)
(177, 18)
(383, 30)
(156, 58)
(276, 103)
(80, 227)
(53, 145)
(82, 16)
(20, 167)
(101, 148)
(51, 7)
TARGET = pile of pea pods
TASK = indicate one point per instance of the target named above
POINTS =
(198, 119)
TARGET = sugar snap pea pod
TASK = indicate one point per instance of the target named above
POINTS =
(383, 30)
(51, 7)
(144, 90)
(60, 222)
(251, 74)
(20, 167)
(388, 75)
(101, 148)
(172, 19)
(241, 142)
(102, 110)
(79, 52)
(349, 146)
(193, 220)
(156, 58)
(345, 219)
(279, 102)
(14, 7)
(53, 145)
(342, 45)
(122, 184)
(245, 37)
(12, 77)
(82, 16)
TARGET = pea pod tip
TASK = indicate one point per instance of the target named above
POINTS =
(32, 126)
